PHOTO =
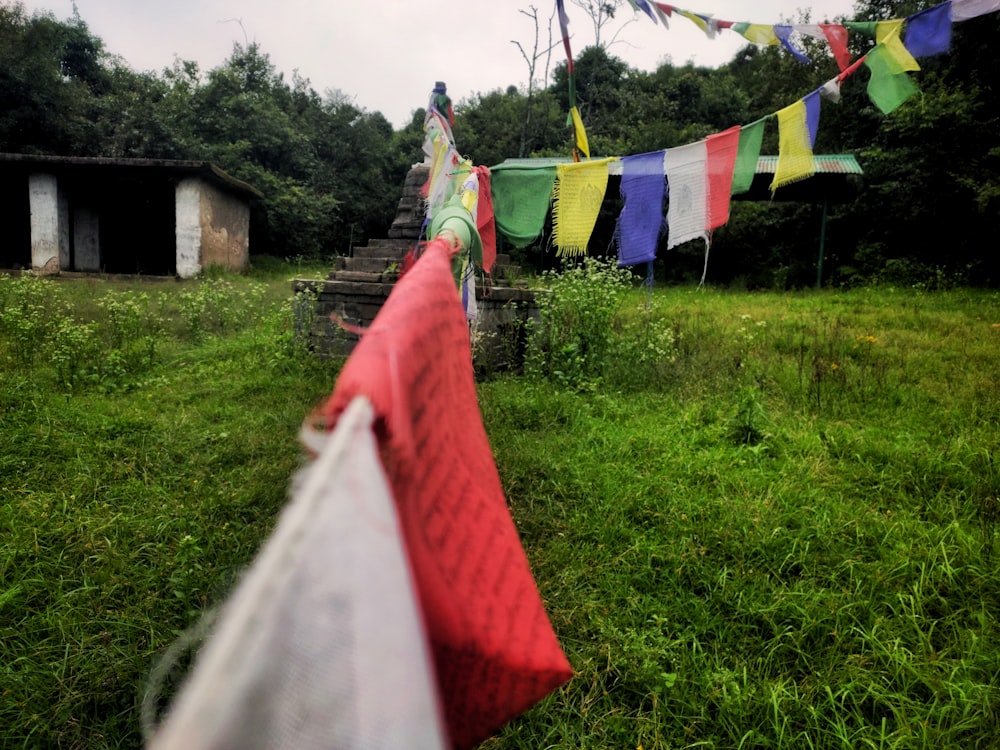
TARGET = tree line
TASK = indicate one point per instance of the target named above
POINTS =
(332, 172)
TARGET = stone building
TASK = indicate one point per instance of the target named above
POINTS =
(135, 216)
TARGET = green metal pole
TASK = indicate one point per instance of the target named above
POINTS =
(822, 244)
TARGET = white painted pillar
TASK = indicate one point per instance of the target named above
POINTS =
(86, 240)
(49, 224)
(187, 207)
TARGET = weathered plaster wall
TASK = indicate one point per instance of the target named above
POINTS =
(225, 229)
(187, 227)
(49, 224)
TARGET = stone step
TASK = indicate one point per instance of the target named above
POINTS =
(394, 252)
(394, 244)
(356, 276)
(369, 265)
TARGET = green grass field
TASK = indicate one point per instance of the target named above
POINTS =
(757, 520)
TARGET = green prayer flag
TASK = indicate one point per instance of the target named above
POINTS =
(521, 198)
(746, 156)
(868, 28)
(886, 88)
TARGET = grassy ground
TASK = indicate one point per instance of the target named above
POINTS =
(758, 520)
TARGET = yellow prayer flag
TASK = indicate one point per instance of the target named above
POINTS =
(578, 193)
(760, 33)
(795, 157)
(897, 58)
(581, 133)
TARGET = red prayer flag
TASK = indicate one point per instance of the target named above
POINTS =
(485, 219)
(721, 148)
(494, 651)
(836, 35)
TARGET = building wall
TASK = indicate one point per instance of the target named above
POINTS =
(187, 227)
(49, 224)
(225, 229)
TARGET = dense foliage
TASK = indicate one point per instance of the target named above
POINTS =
(331, 172)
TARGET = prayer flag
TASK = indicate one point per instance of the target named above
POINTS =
(831, 90)
(795, 158)
(784, 34)
(812, 115)
(521, 198)
(757, 33)
(702, 22)
(579, 132)
(640, 222)
(492, 645)
(836, 35)
(322, 643)
(963, 10)
(485, 220)
(897, 57)
(661, 13)
(747, 154)
(578, 195)
(721, 149)
(887, 87)
(867, 28)
(687, 180)
(644, 6)
(929, 31)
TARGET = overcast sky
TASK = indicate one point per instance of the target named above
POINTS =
(386, 55)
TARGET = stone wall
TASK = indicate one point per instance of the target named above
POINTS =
(498, 331)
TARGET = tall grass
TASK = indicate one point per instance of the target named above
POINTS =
(757, 520)
(784, 536)
(143, 460)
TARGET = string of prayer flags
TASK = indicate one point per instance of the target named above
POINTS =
(492, 645)
(577, 197)
(641, 220)
(721, 149)
(521, 197)
(747, 153)
(928, 32)
(797, 124)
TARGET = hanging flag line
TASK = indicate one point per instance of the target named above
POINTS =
(514, 199)
(928, 32)
(836, 35)
(701, 180)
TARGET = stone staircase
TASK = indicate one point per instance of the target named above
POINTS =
(379, 261)
(358, 286)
